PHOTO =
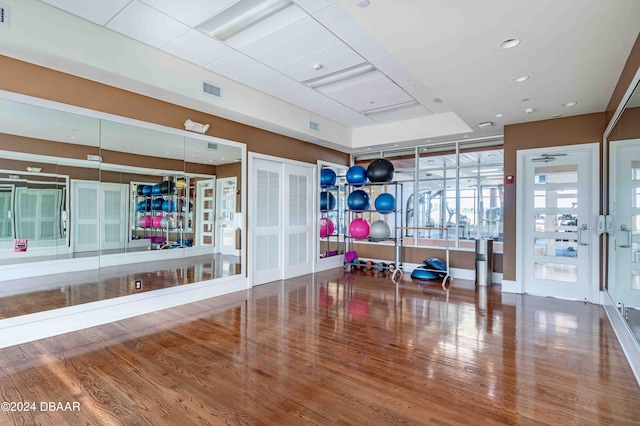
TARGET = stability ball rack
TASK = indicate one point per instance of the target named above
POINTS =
(395, 188)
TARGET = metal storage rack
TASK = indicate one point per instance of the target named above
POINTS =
(396, 229)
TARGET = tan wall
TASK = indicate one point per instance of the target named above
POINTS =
(28, 79)
(579, 129)
(631, 67)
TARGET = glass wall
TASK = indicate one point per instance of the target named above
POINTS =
(451, 191)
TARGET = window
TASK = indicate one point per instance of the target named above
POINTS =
(452, 189)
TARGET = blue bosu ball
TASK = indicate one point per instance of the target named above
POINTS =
(358, 200)
(357, 175)
(385, 203)
(327, 178)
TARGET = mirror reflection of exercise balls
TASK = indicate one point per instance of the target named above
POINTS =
(327, 177)
(326, 227)
(143, 206)
(145, 221)
(359, 228)
(385, 203)
(168, 206)
(155, 189)
(156, 203)
(358, 201)
(167, 187)
(357, 175)
(327, 201)
(379, 230)
(167, 223)
(146, 190)
(380, 170)
(156, 221)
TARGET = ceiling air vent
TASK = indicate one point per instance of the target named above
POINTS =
(4, 16)
(212, 90)
(212, 145)
(314, 126)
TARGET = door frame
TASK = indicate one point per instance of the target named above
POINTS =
(251, 216)
(218, 210)
(594, 295)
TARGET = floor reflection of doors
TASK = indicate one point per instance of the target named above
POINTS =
(624, 244)
(559, 211)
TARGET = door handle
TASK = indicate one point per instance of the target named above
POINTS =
(584, 227)
(624, 228)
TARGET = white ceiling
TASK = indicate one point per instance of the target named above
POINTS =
(439, 59)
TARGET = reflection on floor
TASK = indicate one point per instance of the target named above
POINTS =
(632, 315)
(37, 294)
(336, 348)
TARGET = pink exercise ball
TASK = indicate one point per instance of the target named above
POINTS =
(157, 221)
(326, 227)
(359, 228)
(145, 221)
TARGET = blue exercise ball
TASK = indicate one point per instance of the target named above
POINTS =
(143, 206)
(155, 189)
(327, 201)
(380, 170)
(168, 206)
(146, 190)
(327, 178)
(358, 201)
(357, 175)
(385, 203)
(156, 204)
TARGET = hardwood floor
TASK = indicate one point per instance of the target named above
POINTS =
(334, 348)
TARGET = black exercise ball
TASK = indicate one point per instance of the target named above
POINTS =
(380, 170)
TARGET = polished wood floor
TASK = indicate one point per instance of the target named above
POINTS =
(334, 348)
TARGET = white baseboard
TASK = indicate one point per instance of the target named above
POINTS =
(37, 269)
(628, 342)
(509, 286)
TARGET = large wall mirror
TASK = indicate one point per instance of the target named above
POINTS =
(94, 206)
(623, 196)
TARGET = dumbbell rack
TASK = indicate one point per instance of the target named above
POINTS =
(396, 233)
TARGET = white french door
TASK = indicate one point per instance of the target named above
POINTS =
(113, 215)
(226, 200)
(280, 219)
(624, 207)
(205, 212)
(559, 215)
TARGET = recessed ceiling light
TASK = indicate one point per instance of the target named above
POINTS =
(437, 100)
(485, 124)
(509, 43)
(556, 115)
(499, 115)
(466, 136)
(529, 110)
(363, 3)
(71, 137)
(128, 146)
(569, 104)
(318, 66)
(520, 78)
(525, 99)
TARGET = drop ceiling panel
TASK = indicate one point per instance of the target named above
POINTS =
(299, 39)
(333, 58)
(423, 95)
(301, 95)
(379, 99)
(147, 25)
(348, 92)
(367, 46)
(267, 26)
(404, 79)
(342, 114)
(339, 21)
(388, 64)
(190, 12)
(193, 46)
(236, 66)
(268, 81)
(97, 11)
(313, 6)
